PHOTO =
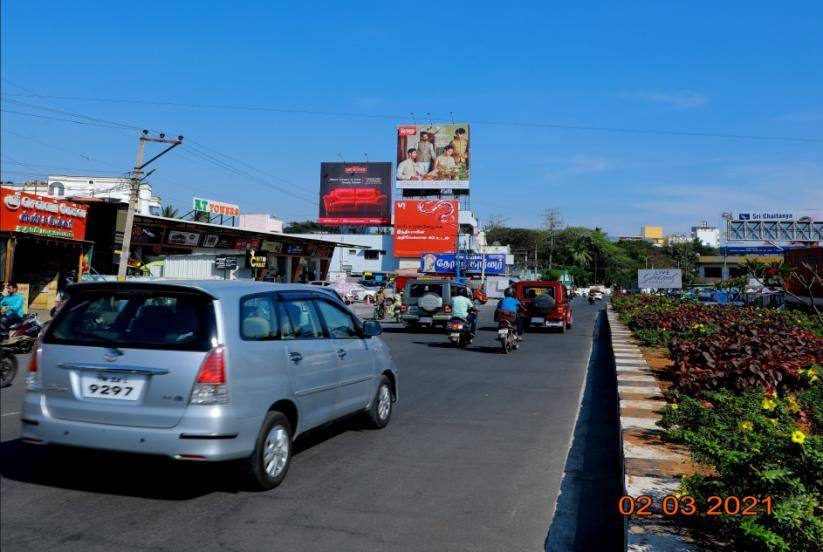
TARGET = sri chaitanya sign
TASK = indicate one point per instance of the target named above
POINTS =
(216, 207)
(41, 215)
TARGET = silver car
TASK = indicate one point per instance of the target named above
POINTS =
(204, 370)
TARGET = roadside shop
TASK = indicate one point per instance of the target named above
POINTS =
(42, 244)
(174, 248)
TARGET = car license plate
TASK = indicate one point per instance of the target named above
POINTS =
(112, 386)
(425, 319)
(538, 320)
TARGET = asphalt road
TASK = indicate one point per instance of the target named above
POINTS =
(472, 460)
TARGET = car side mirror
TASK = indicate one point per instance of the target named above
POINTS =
(372, 328)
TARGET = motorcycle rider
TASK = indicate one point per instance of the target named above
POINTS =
(462, 308)
(509, 303)
(379, 300)
(396, 303)
(11, 310)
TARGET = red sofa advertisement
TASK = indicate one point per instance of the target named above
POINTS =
(425, 226)
(355, 194)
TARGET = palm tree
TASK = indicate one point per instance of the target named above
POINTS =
(579, 252)
(169, 211)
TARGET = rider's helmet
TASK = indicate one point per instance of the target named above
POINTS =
(509, 292)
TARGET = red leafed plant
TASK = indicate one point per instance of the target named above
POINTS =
(745, 355)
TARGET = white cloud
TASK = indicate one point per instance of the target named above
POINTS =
(679, 99)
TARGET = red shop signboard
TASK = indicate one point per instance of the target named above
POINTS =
(41, 216)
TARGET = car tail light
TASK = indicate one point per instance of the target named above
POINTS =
(210, 386)
(448, 309)
(34, 378)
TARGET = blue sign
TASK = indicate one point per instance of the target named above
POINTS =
(752, 251)
(443, 263)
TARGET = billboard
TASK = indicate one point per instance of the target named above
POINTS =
(355, 194)
(215, 207)
(425, 226)
(440, 263)
(433, 157)
(41, 215)
(660, 278)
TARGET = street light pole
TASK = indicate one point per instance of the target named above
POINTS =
(134, 194)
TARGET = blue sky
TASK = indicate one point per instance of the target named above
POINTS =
(336, 77)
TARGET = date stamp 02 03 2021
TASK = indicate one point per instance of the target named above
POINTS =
(685, 505)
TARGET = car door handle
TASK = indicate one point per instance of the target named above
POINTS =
(341, 353)
(296, 357)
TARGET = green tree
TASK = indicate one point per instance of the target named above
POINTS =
(169, 211)
(309, 227)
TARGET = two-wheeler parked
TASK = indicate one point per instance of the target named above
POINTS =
(22, 335)
(507, 331)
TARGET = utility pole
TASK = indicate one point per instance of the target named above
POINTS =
(134, 193)
(553, 223)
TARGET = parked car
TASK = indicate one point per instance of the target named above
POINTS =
(204, 370)
(320, 283)
(428, 302)
(546, 303)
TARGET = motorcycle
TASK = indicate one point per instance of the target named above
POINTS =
(22, 335)
(379, 310)
(8, 367)
(460, 332)
(507, 332)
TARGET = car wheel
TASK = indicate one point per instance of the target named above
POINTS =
(382, 406)
(268, 464)
(8, 369)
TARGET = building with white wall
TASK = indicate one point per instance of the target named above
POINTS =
(709, 236)
(102, 187)
(261, 223)
(373, 254)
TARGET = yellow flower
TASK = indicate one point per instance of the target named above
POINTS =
(773, 421)
(798, 437)
(769, 404)
(813, 377)
(745, 426)
(673, 406)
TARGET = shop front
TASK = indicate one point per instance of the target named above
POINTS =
(42, 244)
(172, 248)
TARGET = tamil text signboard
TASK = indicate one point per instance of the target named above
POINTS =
(433, 157)
(41, 216)
(660, 278)
(425, 226)
(355, 194)
(444, 263)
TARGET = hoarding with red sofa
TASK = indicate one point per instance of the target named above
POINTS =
(355, 194)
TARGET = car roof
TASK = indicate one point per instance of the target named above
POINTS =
(218, 289)
(436, 282)
(538, 283)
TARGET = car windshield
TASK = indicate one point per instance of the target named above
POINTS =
(419, 290)
(530, 292)
(143, 319)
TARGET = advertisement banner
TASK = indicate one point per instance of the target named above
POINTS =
(246, 243)
(271, 246)
(433, 157)
(767, 216)
(41, 216)
(147, 235)
(425, 226)
(355, 194)
(215, 207)
(178, 237)
(660, 278)
(469, 263)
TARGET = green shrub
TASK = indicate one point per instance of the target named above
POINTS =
(758, 446)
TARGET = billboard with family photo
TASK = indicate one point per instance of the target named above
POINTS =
(355, 194)
(433, 157)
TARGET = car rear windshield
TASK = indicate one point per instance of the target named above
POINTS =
(530, 292)
(142, 319)
(419, 290)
